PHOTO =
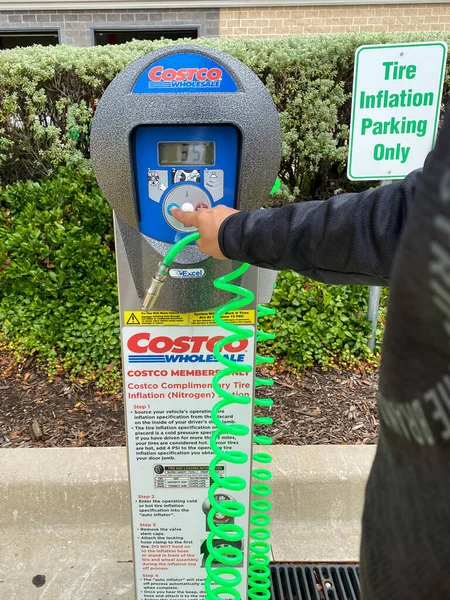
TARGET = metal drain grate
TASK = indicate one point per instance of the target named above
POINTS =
(315, 582)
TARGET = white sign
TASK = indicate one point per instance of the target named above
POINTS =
(168, 374)
(397, 91)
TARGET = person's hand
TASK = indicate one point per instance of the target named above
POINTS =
(208, 222)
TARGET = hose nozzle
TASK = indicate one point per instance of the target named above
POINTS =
(154, 290)
(163, 270)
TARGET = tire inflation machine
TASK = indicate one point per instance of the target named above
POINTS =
(191, 127)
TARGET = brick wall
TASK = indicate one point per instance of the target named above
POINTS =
(76, 25)
(304, 20)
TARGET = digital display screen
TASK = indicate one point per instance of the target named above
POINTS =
(186, 153)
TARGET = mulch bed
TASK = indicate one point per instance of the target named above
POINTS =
(331, 407)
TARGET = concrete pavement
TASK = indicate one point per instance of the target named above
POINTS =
(64, 515)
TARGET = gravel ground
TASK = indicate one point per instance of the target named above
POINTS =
(331, 407)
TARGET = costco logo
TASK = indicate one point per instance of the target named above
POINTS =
(186, 77)
(197, 348)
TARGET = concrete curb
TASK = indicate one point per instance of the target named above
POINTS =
(64, 513)
(318, 496)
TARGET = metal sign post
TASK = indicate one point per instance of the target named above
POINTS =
(397, 92)
(190, 127)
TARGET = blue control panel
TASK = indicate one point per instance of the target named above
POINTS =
(191, 167)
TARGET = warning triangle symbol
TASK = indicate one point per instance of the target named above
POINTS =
(133, 320)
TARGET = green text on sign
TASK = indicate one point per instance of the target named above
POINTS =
(397, 94)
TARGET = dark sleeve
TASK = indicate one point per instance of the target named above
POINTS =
(348, 239)
(405, 547)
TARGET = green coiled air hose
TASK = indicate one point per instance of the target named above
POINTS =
(222, 580)
(227, 576)
(223, 560)
(259, 559)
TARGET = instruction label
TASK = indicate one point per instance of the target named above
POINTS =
(157, 317)
(165, 317)
(397, 92)
(178, 476)
(169, 395)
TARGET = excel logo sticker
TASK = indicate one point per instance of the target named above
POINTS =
(397, 91)
(187, 273)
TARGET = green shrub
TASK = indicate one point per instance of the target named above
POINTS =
(48, 96)
(318, 324)
(58, 296)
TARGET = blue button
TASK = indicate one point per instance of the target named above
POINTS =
(171, 205)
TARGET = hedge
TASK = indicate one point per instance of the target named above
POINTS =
(48, 95)
(319, 324)
(58, 295)
(58, 287)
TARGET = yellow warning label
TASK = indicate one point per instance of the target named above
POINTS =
(236, 317)
(132, 319)
(156, 318)
(159, 318)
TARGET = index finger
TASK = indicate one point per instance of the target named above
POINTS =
(186, 217)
